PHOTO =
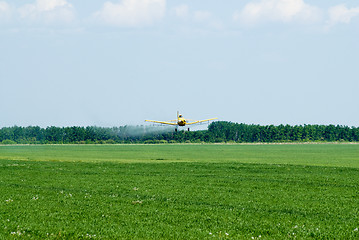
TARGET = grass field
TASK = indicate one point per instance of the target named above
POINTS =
(179, 191)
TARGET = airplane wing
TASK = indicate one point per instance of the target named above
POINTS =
(169, 123)
(199, 121)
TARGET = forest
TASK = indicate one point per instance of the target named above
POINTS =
(218, 132)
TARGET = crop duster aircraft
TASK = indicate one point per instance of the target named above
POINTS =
(181, 121)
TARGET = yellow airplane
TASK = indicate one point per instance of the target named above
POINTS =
(181, 121)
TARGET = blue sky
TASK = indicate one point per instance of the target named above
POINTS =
(111, 63)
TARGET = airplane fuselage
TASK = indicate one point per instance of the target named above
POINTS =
(181, 121)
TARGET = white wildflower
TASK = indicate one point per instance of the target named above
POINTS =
(355, 230)
(17, 233)
(9, 200)
(90, 236)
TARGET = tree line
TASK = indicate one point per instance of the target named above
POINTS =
(283, 133)
(220, 131)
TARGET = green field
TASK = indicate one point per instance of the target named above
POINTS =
(179, 191)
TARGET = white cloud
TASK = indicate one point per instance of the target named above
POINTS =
(199, 19)
(207, 20)
(5, 10)
(202, 16)
(277, 11)
(48, 11)
(132, 13)
(181, 11)
(341, 14)
(4, 7)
